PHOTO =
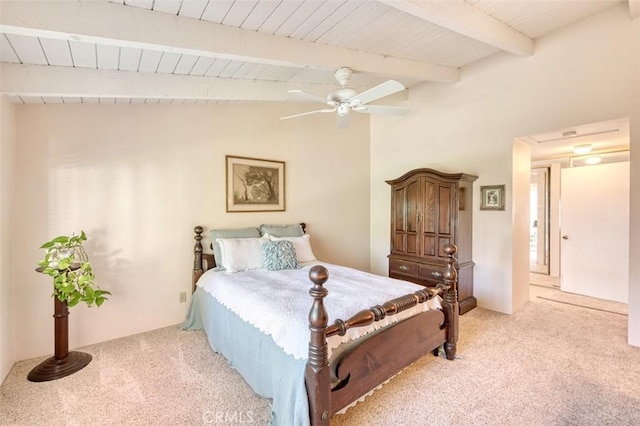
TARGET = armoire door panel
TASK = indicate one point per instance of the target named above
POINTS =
(399, 217)
(412, 244)
(442, 243)
(412, 201)
(429, 245)
(444, 206)
(429, 223)
(399, 245)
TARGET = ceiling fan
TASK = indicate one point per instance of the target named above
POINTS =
(345, 99)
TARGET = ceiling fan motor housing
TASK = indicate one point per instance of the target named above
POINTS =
(343, 75)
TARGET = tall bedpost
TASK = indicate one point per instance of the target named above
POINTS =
(197, 262)
(317, 374)
(450, 305)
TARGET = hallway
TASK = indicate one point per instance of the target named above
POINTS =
(546, 287)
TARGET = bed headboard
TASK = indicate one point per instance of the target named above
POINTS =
(202, 261)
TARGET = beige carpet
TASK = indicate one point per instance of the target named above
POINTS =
(551, 363)
(546, 287)
(555, 295)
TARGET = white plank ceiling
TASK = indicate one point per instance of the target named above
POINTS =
(176, 51)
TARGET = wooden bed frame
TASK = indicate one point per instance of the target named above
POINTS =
(376, 359)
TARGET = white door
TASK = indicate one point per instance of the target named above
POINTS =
(594, 223)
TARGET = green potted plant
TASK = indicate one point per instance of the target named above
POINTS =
(67, 263)
(73, 282)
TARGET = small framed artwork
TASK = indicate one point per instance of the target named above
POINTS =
(492, 197)
(254, 185)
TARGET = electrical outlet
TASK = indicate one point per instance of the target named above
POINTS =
(182, 297)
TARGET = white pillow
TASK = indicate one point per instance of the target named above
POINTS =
(302, 245)
(241, 254)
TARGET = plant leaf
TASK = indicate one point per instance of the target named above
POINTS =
(63, 239)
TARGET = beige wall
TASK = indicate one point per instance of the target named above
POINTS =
(138, 178)
(520, 198)
(582, 74)
(7, 146)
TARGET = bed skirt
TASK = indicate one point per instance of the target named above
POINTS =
(269, 371)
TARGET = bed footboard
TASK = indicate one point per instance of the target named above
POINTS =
(384, 355)
(379, 358)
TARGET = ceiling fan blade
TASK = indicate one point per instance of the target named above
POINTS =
(343, 121)
(310, 97)
(387, 88)
(307, 113)
(382, 109)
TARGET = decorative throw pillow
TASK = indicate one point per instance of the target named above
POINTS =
(293, 230)
(301, 244)
(279, 255)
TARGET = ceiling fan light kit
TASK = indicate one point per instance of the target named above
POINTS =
(346, 99)
(582, 149)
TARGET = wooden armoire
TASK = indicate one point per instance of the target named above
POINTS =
(429, 210)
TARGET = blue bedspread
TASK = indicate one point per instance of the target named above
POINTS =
(265, 367)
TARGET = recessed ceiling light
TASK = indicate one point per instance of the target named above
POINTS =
(582, 149)
(593, 160)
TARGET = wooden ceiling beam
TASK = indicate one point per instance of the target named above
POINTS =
(52, 81)
(465, 19)
(113, 24)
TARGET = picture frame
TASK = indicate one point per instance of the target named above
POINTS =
(254, 184)
(492, 197)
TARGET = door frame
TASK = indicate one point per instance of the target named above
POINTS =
(542, 221)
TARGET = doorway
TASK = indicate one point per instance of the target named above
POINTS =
(551, 154)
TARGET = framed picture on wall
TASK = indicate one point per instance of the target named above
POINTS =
(254, 185)
(492, 197)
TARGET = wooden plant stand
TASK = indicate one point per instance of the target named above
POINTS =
(63, 363)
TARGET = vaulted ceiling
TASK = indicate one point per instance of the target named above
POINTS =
(157, 51)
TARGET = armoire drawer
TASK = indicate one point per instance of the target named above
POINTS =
(431, 273)
(398, 267)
